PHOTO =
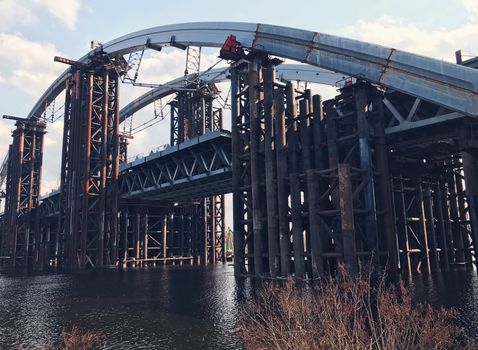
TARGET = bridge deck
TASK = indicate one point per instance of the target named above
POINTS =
(196, 168)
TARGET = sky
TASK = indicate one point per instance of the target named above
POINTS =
(33, 31)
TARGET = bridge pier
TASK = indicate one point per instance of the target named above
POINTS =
(353, 181)
(89, 172)
(19, 247)
(317, 184)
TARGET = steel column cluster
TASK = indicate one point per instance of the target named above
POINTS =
(19, 244)
(89, 173)
(162, 220)
(317, 184)
(152, 234)
(192, 115)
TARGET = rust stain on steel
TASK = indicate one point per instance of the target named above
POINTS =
(387, 63)
(256, 35)
(313, 43)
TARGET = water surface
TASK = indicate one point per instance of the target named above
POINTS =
(171, 307)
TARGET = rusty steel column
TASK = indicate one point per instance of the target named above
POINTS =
(364, 129)
(402, 227)
(270, 173)
(316, 248)
(425, 253)
(320, 158)
(145, 237)
(294, 183)
(347, 219)
(384, 196)
(471, 185)
(282, 183)
(257, 195)
(23, 191)
(430, 224)
(164, 238)
(457, 251)
(463, 217)
(306, 152)
(440, 200)
(125, 237)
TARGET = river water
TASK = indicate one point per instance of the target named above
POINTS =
(171, 307)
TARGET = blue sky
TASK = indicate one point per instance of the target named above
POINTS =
(33, 31)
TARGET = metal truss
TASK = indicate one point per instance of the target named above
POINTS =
(89, 197)
(22, 192)
(133, 65)
(191, 170)
(193, 66)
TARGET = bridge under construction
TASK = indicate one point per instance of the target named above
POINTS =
(384, 173)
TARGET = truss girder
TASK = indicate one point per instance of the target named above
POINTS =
(200, 170)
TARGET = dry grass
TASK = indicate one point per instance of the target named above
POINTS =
(344, 313)
(77, 340)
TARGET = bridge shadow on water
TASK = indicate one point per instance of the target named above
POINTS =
(170, 307)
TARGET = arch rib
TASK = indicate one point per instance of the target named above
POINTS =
(449, 85)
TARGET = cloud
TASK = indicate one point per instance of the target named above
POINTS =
(65, 10)
(28, 65)
(15, 13)
(401, 34)
(471, 6)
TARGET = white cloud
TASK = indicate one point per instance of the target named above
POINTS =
(15, 13)
(65, 10)
(401, 34)
(28, 65)
(471, 6)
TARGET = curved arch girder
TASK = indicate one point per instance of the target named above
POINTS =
(450, 85)
(284, 72)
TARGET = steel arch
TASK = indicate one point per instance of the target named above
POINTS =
(450, 85)
(284, 72)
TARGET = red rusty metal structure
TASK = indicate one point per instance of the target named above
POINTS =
(19, 241)
(89, 172)
(384, 174)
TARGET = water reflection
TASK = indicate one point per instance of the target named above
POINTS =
(164, 308)
(170, 307)
(458, 289)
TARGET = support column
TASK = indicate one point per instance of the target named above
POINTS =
(257, 194)
(471, 182)
(430, 220)
(270, 174)
(385, 191)
(22, 191)
(347, 219)
(370, 234)
(443, 222)
(282, 183)
(314, 224)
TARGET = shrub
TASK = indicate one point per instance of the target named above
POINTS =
(77, 340)
(345, 313)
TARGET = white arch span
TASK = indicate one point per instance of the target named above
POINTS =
(450, 85)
